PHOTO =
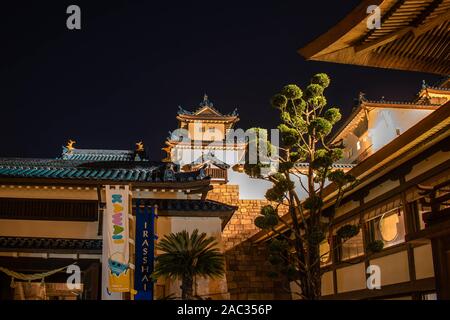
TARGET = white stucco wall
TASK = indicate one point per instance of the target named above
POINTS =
(382, 129)
(384, 122)
(249, 188)
(186, 156)
(255, 189)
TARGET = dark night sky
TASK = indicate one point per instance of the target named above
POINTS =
(121, 78)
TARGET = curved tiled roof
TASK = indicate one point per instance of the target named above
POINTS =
(190, 205)
(411, 103)
(206, 103)
(438, 88)
(126, 171)
(102, 155)
(335, 165)
(98, 155)
(413, 37)
(10, 243)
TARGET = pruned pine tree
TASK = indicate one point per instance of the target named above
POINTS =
(306, 121)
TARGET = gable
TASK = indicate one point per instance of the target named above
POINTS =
(205, 111)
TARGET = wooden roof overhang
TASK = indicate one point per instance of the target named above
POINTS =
(74, 183)
(413, 36)
(54, 245)
(426, 133)
(207, 118)
(193, 208)
(445, 91)
(210, 144)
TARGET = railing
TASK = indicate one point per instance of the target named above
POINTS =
(437, 198)
(217, 174)
(363, 155)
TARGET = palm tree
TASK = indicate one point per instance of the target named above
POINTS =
(186, 256)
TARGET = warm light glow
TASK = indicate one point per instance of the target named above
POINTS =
(388, 227)
(324, 249)
(70, 144)
(140, 146)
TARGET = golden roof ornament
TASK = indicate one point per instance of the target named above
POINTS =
(168, 154)
(70, 144)
(140, 146)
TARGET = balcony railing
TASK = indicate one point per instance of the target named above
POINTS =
(363, 155)
(217, 174)
(437, 198)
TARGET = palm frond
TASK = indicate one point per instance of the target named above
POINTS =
(188, 255)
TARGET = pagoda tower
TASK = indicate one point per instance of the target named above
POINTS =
(204, 138)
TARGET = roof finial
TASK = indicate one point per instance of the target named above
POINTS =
(70, 144)
(139, 146)
(206, 102)
(424, 84)
(361, 97)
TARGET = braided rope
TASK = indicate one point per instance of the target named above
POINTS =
(30, 277)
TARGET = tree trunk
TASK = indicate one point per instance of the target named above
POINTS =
(315, 290)
(186, 288)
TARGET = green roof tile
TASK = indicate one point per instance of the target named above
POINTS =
(143, 171)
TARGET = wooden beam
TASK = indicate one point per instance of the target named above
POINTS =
(399, 289)
(433, 23)
(358, 15)
(415, 29)
(425, 13)
(386, 16)
(364, 48)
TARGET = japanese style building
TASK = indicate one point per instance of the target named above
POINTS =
(400, 155)
(52, 215)
(58, 212)
(202, 137)
(413, 36)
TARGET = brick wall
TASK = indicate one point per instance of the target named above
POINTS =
(246, 262)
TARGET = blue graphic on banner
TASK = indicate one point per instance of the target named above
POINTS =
(145, 251)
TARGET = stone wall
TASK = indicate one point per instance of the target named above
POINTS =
(246, 262)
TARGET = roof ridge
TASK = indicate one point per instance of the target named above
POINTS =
(400, 102)
(101, 151)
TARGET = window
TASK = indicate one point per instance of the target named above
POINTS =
(429, 296)
(417, 209)
(202, 129)
(325, 254)
(388, 227)
(352, 247)
(212, 130)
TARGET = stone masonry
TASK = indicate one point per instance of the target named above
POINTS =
(246, 262)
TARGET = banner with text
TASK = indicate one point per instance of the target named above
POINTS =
(117, 238)
(145, 236)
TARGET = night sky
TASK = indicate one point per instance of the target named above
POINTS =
(121, 78)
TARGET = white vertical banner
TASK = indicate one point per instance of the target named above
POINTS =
(115, 242)
(106, 293)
